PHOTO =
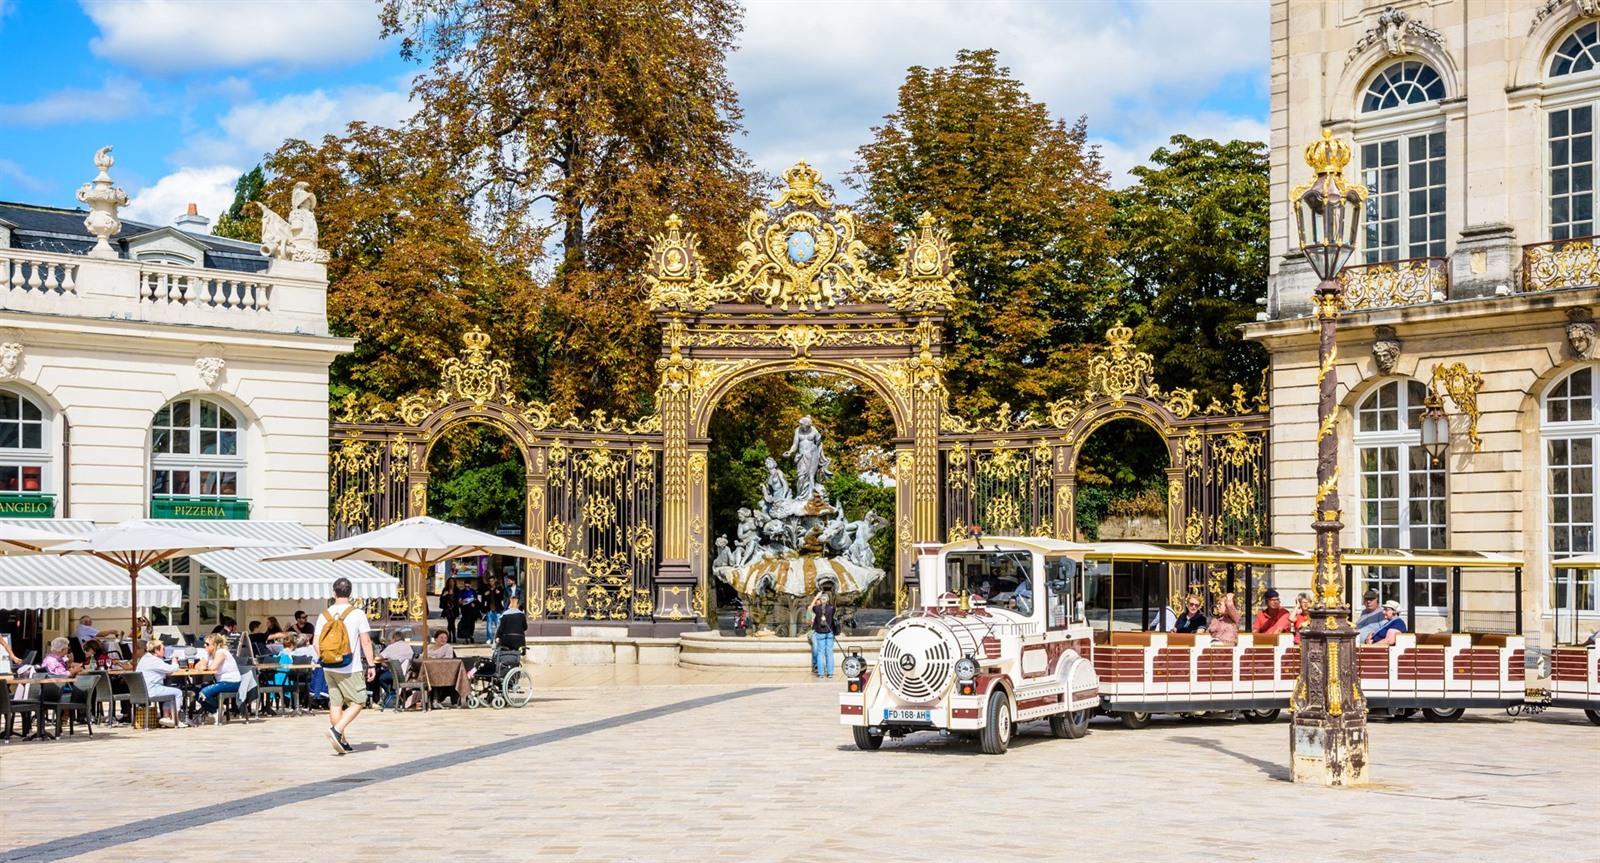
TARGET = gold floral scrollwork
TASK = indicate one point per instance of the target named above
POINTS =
(1064, 511)
(801, 338)
(418, 609)
(1463, 386)
(473, 376)
(1002, 515)
(1562, 265)
(599, 513)
(1192, 453)
(698, 601)
(1402, 283)
(1238, 449)
(419, 499)
(413, 409)
(555, 602)
(902, 600)
(555, 536)
(1122, 369)
(600, 464)
(1181, 402)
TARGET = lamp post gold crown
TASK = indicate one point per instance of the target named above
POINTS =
(1328, 155)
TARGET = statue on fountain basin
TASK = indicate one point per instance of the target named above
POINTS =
(795, 543)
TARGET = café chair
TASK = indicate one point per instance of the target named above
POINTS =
(11, 707)
(77, 701)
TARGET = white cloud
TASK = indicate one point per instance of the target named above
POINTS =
(167, 36)
(210, 188)
(816, 83)
(252, 129)
(1120, 157)
(13, 172)
(116, 98)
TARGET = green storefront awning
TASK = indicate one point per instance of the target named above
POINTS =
(201, 508)
(14, 505)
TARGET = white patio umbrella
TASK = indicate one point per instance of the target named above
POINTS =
(17, 539)
(134, 545)
(419, 542)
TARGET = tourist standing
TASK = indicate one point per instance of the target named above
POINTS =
(344, 645)
(471, 609)
(450, 606)
(493, 600)
(824, 628)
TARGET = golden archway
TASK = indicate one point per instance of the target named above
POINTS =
(799, 298)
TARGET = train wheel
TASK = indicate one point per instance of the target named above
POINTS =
(1261, 717)
(517, 688)
(1135, 719)
(1594, 716)
(866, 740)
(996, 734)
(1442, 714)
(1070, 725)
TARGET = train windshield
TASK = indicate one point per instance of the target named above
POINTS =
(1002, 578)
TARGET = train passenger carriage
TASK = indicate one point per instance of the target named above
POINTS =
(1575, 668)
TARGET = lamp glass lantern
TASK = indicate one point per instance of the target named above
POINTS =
(1435, 427)
(1327, 210)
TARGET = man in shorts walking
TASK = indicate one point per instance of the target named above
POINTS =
(346, 662)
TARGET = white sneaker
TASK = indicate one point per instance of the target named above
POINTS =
(166, 723)
(182, 724)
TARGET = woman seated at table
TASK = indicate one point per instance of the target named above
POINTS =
(57, 660)
(440, 647)
(99, 654)
(155, 668)
(218, 662)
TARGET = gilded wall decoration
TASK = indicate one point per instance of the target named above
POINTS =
(1463, 386)
(1561, 264)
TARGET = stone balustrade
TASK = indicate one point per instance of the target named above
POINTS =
(291, 297)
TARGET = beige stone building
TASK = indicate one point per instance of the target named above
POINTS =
(1473, 126)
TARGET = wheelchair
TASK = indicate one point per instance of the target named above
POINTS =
(499, 681)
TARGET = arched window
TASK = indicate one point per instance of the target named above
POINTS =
(1578, 52)
(1403, 500)
(1571, 429)
(1405, 83)
(24, 442)
(196, 450)
(1404, 170)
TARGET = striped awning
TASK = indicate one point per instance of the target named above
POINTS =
(251, 578)
(75, 581)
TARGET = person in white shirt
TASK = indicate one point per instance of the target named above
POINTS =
(155, 668)
(86, 630)
(347, 680)
(222, 665)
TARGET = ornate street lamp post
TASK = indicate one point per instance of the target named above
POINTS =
(1328, 742)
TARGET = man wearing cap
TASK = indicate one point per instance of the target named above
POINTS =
(1393, 624)
(1274, 618)
(1371, 617)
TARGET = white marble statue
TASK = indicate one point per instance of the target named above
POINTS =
(103, 199)
(294, 238)
(724, 555)
(747, 547)
(806, 450)
(776, 489)
(860, 550)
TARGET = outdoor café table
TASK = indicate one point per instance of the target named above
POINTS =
(191, 681)
(40, 681)
(446, 674)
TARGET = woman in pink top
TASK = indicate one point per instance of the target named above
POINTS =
(1224, 626)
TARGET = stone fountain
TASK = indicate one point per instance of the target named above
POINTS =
(796, 542)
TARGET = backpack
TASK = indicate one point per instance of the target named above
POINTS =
(333, 646)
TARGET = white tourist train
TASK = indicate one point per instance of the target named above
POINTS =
(1003, 641)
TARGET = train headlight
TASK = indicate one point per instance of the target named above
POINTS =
(966, 669)
(854, 665)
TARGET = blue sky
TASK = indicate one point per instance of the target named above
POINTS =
(192, 92)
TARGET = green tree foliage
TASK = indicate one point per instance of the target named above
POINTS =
(481, 480)
(607, 115)
(1119, 462)
(1191, 239)
(242, 221)
(1024, 196)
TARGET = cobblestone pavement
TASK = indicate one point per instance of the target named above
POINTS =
(666, 765)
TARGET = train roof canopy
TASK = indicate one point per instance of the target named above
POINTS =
(1170, 552)
(1040, 544)
(1429, 557)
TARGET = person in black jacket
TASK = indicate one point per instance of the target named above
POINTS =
(1193, 618)
(824, 629)
(512, 633)
(450, 607)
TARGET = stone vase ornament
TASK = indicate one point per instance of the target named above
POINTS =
(103, 199)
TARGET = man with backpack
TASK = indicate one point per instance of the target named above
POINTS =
(343, 641)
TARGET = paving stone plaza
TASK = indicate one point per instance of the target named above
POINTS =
(652, 764)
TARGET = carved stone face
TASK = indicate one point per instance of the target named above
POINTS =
(1386, 353)
(1580, 337)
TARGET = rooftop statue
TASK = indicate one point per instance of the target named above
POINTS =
(294, 238)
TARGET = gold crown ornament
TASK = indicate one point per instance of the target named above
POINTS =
(1329, 155)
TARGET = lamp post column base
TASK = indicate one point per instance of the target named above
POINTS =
(1330, 751)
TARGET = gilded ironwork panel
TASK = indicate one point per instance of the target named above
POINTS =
(1003, 486)
(602, 497)
(1394, 283)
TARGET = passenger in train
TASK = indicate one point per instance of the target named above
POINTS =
(1393, 624)
(1274, 618)
(1371, 617)
(1193, 618)
(1302, 615)
(1224, 627)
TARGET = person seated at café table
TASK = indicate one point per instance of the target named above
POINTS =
(1274, 618)
(1193, 618)
(98, 654)
(1393, 625)
(86, 630)
(258, 639)
(8, 659)
(440, 647)
(273, 627)
(1371, 617)
(155, 668)
(397, 650)
(57, 660)
(1224, 626)
(302, 625)
(220, 663)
